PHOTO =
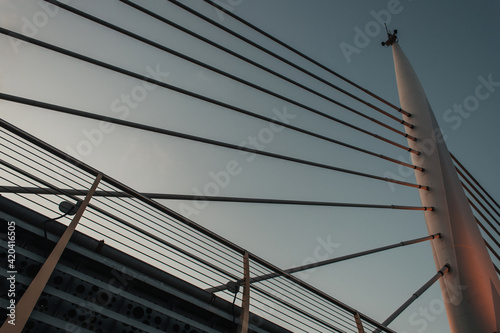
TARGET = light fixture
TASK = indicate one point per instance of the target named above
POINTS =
(69, 208)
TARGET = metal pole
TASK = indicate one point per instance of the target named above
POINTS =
(117, 194)
(27, 303)
(328, 261)
(359, 323)
(416, 295)
(360, 254)
(471, 289)
(245, 303)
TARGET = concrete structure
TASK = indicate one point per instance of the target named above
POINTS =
(96, 288)
(471, 289)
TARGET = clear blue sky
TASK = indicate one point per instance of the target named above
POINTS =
(453, 46)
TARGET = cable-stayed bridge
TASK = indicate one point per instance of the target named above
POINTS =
(274, 137)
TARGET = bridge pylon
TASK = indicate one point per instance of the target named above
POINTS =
(471, 289)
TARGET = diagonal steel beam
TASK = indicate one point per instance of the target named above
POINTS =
(327, 262)
(416, 295)
(30, 297)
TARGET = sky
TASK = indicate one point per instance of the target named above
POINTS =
(452, 45)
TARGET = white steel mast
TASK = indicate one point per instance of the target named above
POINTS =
(471, 289)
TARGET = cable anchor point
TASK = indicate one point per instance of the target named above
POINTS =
(391, 37)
